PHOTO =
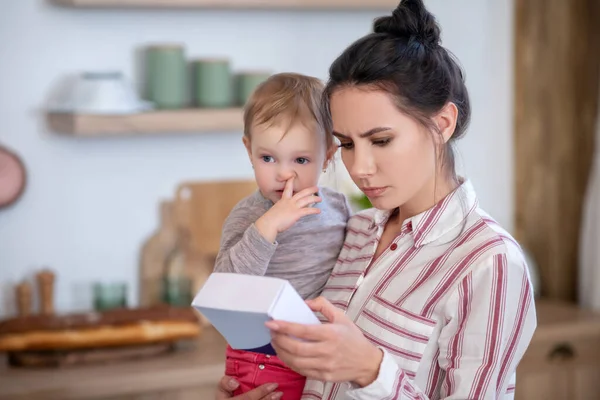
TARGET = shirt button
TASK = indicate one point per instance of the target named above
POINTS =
(261, 366)
(393, 247)
(268, 356)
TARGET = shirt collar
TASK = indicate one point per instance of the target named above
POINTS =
(435, 222)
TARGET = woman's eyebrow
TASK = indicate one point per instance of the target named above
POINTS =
(366, 134)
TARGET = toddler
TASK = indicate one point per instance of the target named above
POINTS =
(289, 228)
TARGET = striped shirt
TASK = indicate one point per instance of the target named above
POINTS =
(449, 302)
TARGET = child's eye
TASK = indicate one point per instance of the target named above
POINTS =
(302, 160)
(346, 145)
(268, 159)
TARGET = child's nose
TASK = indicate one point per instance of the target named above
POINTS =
(285, 174)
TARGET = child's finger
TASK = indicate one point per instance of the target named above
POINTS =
(288, 190)
(309, 211)
(311, 191)
(307, 201)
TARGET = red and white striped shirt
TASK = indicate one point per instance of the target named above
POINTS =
(449, 302)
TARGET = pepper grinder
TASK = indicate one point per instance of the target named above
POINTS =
(23, 297)
(45, 280)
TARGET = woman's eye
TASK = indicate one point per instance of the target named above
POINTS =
(382, 142)
(346, 145)
(302, 160)
(267, 159)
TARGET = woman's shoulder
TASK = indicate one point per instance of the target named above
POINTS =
(366, 215)
(363, 220)
(495, 240)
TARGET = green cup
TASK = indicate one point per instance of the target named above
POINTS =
(177, 291)
(108, 296)
(212, 83)
(246, 83)
(166, 79)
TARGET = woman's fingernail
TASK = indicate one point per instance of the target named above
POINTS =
(233, 384)
(277, 396)
(271, 387)
(272, 325)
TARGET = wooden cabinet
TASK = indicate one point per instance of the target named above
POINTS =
(563, 359)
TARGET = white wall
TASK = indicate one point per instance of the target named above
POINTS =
(90, 203)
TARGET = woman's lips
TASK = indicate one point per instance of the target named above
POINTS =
(373, 192)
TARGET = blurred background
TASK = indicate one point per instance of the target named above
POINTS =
(121, 153)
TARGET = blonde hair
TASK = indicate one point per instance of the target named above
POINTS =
(288, 96)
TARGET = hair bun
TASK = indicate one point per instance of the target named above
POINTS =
(410, 19)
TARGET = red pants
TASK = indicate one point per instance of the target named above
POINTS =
(254, 369)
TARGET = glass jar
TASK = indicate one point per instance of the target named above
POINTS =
(176, 283)
(109, 296)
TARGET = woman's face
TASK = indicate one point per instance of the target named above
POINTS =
(389, 155)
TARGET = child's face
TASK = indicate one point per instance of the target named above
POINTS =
(277, 156)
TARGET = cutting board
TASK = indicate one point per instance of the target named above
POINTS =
(198, 210)
(202, 207)
(153, 255)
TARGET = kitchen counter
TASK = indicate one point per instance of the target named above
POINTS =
(566, 337)
(190, 373)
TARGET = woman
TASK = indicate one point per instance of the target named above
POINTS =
(430, 298)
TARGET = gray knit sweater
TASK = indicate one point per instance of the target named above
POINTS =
(304, 254)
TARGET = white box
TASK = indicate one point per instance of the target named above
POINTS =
(239, 305)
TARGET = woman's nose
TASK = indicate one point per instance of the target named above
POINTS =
(363, 163)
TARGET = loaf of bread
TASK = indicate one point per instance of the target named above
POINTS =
(108, 329)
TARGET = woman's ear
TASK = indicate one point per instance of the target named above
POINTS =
(445, 121)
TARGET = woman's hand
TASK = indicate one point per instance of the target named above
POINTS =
(334, 352)
(265, 392)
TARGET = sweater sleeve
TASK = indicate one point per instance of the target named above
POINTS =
(243, 249)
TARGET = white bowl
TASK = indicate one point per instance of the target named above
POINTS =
(98, 93)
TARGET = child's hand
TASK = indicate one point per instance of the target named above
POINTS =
(287, 211)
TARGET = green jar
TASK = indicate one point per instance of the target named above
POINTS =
(166, 80)
(177, 291)
(108, 296)
(213, 86)
(246, 83)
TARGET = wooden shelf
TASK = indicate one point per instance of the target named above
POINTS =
(156, 122)
(237, 4)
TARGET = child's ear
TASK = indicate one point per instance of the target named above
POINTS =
(248, 146)
(329, 155)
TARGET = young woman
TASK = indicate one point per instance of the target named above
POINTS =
(430, 298)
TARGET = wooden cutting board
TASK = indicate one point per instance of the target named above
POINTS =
(202, 207)
(199, 210)
(154, 253)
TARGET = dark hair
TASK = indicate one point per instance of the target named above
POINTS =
(403, 57)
